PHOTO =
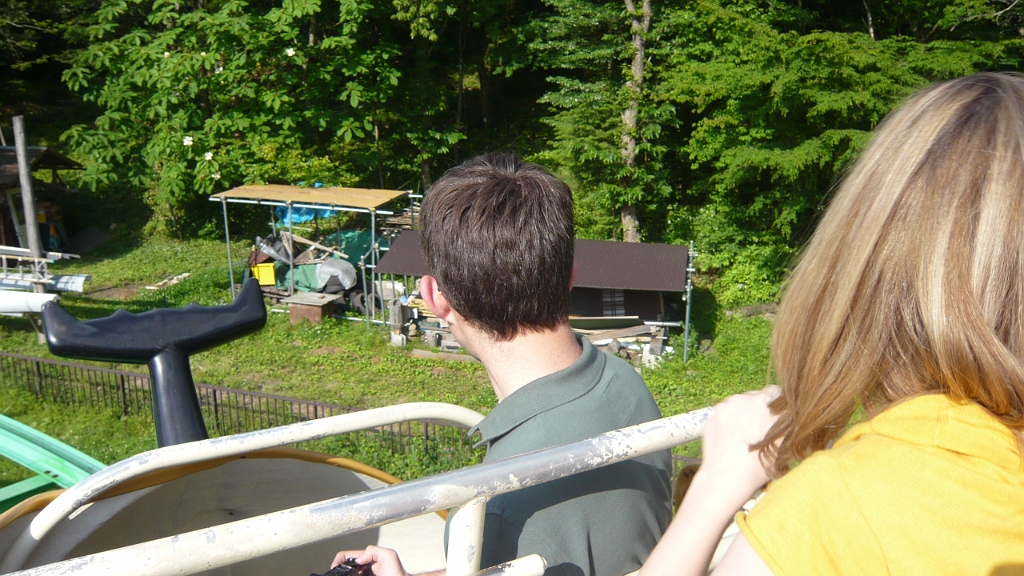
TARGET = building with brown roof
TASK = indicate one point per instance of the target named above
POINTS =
(612, 278)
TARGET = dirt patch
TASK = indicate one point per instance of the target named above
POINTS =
(439, 371)
(326, 350)
(115, 293)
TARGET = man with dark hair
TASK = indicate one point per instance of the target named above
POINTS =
(498, 238)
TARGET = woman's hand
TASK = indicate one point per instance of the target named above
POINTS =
(738, 422)
(728, 477)
(384, 561)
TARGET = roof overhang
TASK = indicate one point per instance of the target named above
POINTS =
(39, 158)
(599, 263)
(339, 199)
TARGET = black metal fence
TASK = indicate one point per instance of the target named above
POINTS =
(231, 411)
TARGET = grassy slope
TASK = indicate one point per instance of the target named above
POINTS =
(340, 362)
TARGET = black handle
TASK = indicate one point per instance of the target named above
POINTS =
(163, 339)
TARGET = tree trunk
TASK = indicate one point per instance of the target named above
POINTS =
(639, 26)
(462, 82)
(871, 21)
(485, 98)
(630, 224)
(425, 175)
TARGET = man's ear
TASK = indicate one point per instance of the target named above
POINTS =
(435, 300)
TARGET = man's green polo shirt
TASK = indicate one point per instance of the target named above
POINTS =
(604, 522)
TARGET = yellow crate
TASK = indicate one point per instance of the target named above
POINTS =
(264, 273)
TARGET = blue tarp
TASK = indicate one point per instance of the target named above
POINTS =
(301, 215)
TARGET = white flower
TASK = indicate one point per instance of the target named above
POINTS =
(208, 156)
(290, 52)
(202, 53)
(186, 141)
(215, 175)
(218, 69)
(167, 54)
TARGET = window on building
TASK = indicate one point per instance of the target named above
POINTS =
(612, 302)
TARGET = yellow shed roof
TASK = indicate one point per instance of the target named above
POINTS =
(368, 198)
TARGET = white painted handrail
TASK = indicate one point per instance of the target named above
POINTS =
(200, 451)
(234, 542)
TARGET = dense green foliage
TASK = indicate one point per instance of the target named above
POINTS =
(746, 115)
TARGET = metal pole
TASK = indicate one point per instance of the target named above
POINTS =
(373, 260)
(689, 292)
(27, 201)
(227, 240)
(291, 251)
(362, 266)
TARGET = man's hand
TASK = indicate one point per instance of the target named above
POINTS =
(383, 561)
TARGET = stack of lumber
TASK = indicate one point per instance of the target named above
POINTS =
(602, 329)
(640, 334)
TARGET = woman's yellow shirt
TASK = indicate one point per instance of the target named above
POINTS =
(928, 487)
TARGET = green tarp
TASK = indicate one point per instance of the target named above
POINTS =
(353, 243)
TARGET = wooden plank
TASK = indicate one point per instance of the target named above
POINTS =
(621, 333)
(311, 299)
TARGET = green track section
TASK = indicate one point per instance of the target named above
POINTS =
(57, 464)
(11, 495)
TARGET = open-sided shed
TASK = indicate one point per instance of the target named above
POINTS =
(39, 158)
(336, 199)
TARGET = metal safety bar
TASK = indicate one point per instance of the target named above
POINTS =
(203, 450)
(234, 542)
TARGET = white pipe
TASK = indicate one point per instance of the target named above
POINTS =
(226, 544)
(12, 302)
(161, 458)
(466, 538)
(12, 251)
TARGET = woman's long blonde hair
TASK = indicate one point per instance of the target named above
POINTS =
(914, 280)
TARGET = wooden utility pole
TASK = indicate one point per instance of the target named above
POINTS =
(639, 26)
(27, 201)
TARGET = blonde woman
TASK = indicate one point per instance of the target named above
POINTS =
(908, 302)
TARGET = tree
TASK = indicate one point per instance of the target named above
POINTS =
(604, 128)
(197, 100)
(640, 25)
(777, 114)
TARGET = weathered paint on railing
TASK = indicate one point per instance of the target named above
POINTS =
(162, 458)
(234, 542)
(532, 565)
